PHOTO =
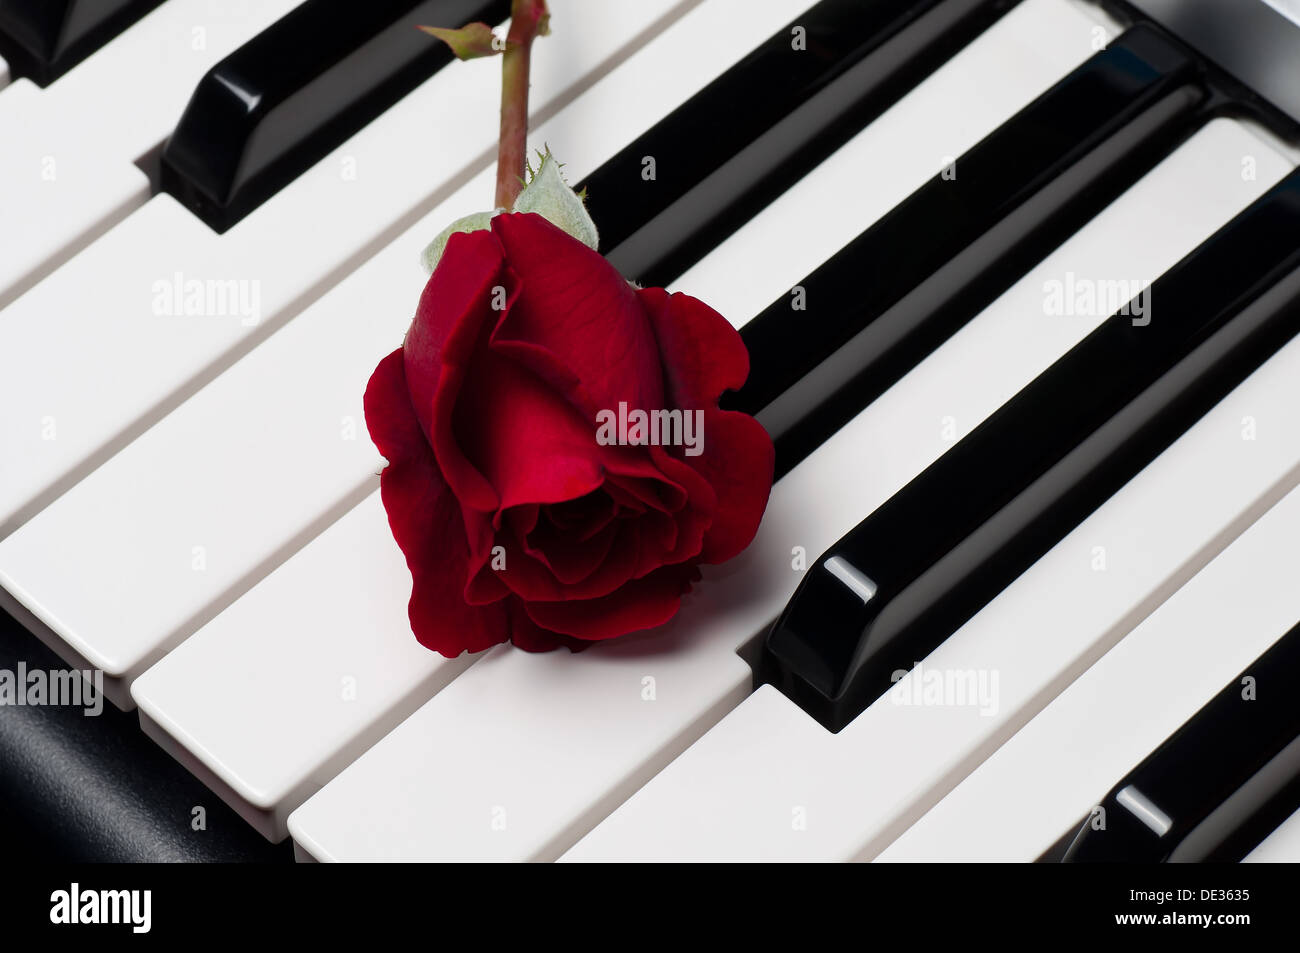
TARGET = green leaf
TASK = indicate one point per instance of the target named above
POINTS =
(469, 42)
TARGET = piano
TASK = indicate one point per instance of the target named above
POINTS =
(1020, 281)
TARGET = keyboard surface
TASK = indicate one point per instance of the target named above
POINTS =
(189, 502)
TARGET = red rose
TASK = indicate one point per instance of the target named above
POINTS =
(516, 522)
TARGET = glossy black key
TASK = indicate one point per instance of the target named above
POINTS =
(43, 39)
(911, 573)
(278, 104)
(1256, 44)
(753, 132)
(904, 286)
(92, 788)
(1218, 785)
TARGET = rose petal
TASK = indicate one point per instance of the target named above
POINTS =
(568, 556)
(525, 422)
(577, 323)
(521, 520)
(425, 520)
(583, 516)
(527, 442)
(641, 604)
(530, 578)
(646, 493)
(389, 416)
(695, 519)
(737, 463)
(702, 354)
(453, 352)
(531, 637)
(456, 302)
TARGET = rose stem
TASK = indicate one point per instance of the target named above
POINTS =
(525, 19)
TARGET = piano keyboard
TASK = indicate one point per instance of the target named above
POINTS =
(1037, 429)
(69, 162)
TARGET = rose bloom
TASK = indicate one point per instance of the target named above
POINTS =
(516, 522)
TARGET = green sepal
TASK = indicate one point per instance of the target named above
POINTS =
(547, 194)
(470, 223)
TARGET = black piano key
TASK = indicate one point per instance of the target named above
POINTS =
(1056, 852)
(913, 571)
(901, 288)
(77, 787)
(43, 39)
(1218, 785)
(728, 151)
(1253, 43)
(278, 104)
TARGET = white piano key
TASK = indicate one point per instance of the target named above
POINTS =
(778, 786)
(307, 474)
(395, 801)
(1048, 777)
(67, 169)
(1280, 847)
(114, 339)
(4, 73)
(308, 699)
